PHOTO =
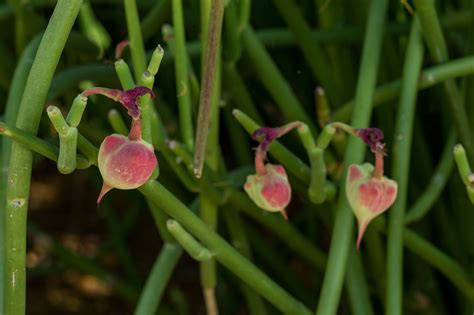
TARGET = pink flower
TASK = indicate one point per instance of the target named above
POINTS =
(369, 192)
(269, 188)
(124, 163)
(270, 191)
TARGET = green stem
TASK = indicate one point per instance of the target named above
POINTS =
(436, 185)
(188, 242)
(464, 170)
(158, 278)
(137, 47)
(244, 14)
(355, 283)
(38, 145)
(437, 46)
(183, 88)
(343, 226)
(67, 140)
(13, 101)
(36, 90)
(210, 71)
(436, 258)
(124, 74)
(428, 78)
(400, 169)
(232, 48)
(93, 29)
(239, 239)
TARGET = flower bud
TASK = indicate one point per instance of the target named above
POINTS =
(124, 163)
(270, 191)
(368, 195)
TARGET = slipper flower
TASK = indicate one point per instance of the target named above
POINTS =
(369, 192)
(125, 162)
(269, 188)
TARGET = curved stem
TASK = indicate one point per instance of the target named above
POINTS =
(437, 183)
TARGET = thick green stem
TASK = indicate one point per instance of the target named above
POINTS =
(400, 169)
(158, 279)
(343, 226)
(29, 114)
(11, 110)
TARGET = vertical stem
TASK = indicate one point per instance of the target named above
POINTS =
(13, 101)
(135, 35)
(207, 134)
(29, 114)
(400, 170)
(183, 88)
(355, 283)
(210, 66)
(343, 226)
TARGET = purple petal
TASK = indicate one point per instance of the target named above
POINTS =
(265, 136)
(370, 136)
(129, 99)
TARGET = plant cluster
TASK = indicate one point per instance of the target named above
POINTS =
(280, 217)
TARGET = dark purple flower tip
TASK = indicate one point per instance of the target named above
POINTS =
(129, 99)
(371, 137)
(265, 136)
